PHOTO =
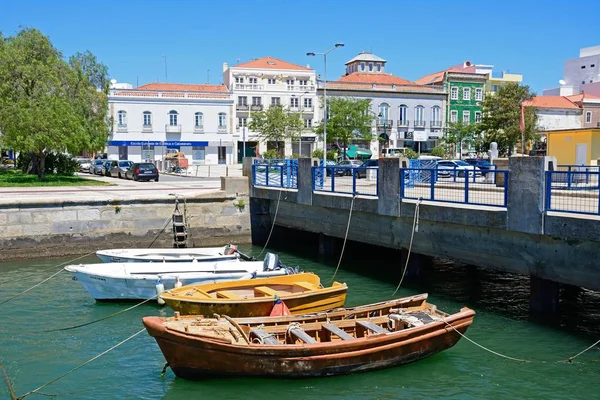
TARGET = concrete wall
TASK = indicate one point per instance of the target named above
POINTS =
(520, 239)
(46, 228)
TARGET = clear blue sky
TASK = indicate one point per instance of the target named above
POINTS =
(416, 37)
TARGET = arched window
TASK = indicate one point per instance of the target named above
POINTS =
(222, 120)
(122, 118)
(436, 116)
(402, 115)
(147, 118)
(198, 119)
(173, 117)
(419, 116)
(384, 112)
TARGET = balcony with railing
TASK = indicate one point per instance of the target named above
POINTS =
(308, 109)
(147, 128)
(172, 128)
(402, 123)
(198, 128)
(222, 129)
(256, 107)
(248, 86)
(419, 124)
(301, 88)
(436, 124)
(384, 123)
(242, 107)
(121, 127)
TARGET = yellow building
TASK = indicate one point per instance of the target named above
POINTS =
(574, 146)
(495, 82)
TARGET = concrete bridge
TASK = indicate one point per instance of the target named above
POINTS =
(551, 248)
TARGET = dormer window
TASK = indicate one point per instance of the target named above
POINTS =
(378, 67)
(370, 67)
(362, 66)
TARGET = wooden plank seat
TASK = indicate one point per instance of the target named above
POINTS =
(264, 337)
(227, 294)
(333, 329)
(301, 334)
(305, 285)
(368, 325)
(265, 291)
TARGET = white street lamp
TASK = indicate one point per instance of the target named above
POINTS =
(325, 96)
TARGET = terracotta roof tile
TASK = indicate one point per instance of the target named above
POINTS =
(550, 102)
(373, 78)
(578, 98)
(368, 87)
(183, 87)
(271, 63)
(438, 77)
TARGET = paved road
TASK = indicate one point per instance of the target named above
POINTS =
(120, 189)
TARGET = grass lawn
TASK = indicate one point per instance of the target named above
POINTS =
(15, 178)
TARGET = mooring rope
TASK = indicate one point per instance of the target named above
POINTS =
(272, 226)
(47, 279)
(415, 228)
(103, 318)
(161, 231)
(570, 359)
(35, 391)
(11, 391)
(345, 238)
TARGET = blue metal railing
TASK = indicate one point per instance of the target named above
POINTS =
(471, 187)
(275, 173)
(347, 180)
(573, 190)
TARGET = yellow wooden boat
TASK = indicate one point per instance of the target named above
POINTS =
(301, 293)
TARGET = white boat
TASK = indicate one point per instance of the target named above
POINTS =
(201, 254)
(139, 281)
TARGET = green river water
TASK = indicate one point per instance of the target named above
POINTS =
(33, 357)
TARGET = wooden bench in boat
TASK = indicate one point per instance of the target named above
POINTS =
(305, 285)
(265, 291)
(264, 337)
(227, 294)
(369, 326)
(333, 329)
(301, 334)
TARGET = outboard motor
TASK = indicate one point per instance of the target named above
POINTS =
(271, 262)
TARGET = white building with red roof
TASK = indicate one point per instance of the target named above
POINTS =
(154, 119)
(405, 114)
(260, 83)
(556, 112)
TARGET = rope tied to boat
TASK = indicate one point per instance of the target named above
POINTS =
(345, 238)
(415, 228)
(36, 391)
(290, 328)
(272, 226)
(47, 279)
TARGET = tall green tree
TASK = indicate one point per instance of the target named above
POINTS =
(502, 115)
(276, 124)
(49, 105)
(349, 120)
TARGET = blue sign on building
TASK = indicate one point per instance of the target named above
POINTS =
(167, 143)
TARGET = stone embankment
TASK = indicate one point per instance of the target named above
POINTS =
(39, 227)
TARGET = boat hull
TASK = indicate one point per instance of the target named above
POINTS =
(262, 307)
(106, 288)
(206, 254)
(196, 358)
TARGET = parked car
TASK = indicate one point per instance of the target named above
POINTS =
(143, 171)
(348, 165)
(98, 168)
(107, 164)
(458, 167)
(85, 164)
(361, 171)
(119, 167)
(484, 165)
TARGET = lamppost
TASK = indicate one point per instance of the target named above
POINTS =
(385, 135)
(300, 107)
(325, 95)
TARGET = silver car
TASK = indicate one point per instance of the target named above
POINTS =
(119, 167)
(98, 168)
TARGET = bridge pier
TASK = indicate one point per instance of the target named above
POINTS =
(544, 295)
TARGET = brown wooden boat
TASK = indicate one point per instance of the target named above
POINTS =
(337, 342)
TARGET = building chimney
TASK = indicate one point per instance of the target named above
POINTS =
(467, 64)
(225, 66)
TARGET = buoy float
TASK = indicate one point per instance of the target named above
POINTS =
(159, 289)
(177, 282)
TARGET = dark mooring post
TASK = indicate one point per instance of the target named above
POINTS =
(260, 220)
(525, 213)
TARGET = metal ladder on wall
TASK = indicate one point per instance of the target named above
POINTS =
(180, 231)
